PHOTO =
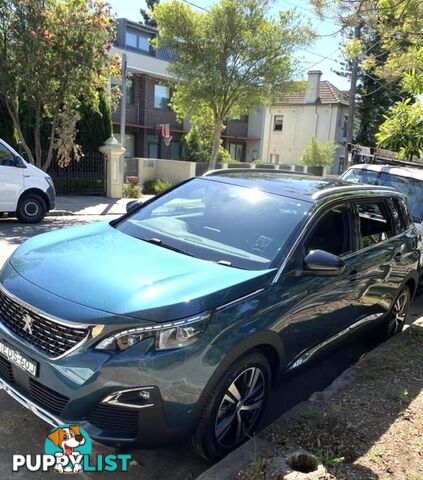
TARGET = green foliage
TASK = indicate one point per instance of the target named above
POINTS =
(156, 186)
(7, 132)
(402, 131)
(318, 154)
(131, 191)
(198, 145)
(53, 57)
(228, 59)
(95, 125)
(146, 13)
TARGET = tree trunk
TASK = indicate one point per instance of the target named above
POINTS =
(37, 136)
(13, 112)
(218, 126)
(50, 152)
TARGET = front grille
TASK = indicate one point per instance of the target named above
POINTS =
(46, 398)
(115, 421)
(6, 372)
(52, 338)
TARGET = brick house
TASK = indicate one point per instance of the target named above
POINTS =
(148, 95)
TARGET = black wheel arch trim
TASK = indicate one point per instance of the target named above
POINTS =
(38, 192)
(261, 341)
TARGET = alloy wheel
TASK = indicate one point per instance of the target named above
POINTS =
(399, 312)
(240, 407)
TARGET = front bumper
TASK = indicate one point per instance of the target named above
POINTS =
(107, 424)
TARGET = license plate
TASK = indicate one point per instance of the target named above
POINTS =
(16, 358)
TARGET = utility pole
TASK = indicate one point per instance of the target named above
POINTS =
(123, 101)
(353, 92)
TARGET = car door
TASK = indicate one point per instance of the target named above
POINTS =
(326, 304)
(11, 180)
(387, 248)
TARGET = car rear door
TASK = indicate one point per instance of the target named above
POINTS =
(11, 180)
(384, 256)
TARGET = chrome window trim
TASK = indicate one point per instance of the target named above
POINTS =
(88, 327)
(240, 299)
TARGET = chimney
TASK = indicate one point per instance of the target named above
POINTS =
(313, 87)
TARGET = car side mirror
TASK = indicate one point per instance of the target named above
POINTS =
(323, 263)
(18, 162)
(132, 206)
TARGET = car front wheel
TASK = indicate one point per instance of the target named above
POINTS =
(235, 405)
(31, 209)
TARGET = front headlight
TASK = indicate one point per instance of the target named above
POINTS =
(172, 335)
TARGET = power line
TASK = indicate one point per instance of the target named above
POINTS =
(195, 5)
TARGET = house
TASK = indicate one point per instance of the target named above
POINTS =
(286, 127)
(147, 100)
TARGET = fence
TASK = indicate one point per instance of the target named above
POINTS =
(84, 177)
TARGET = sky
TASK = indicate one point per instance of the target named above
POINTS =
(324, 54)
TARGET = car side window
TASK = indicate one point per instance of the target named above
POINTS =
(6, 157)
(332, 232)
(375, 223)
(405, 213)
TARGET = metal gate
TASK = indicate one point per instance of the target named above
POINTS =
(86, 177)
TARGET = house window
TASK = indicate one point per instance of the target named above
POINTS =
(161, 96)
(138, 41)
(278, 123)
(175, 151)
(130, 92)
(153, 146)
(274, 158)
(345, 126)
(236, 151)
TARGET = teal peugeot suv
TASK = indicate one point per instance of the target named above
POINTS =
(174, 321)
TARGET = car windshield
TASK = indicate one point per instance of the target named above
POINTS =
(413, 189)
(234, 225)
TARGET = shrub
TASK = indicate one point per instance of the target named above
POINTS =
(156, 185)
(131, 189)
(318, 154)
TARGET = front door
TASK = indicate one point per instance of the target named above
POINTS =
(11, 180)
(325, 305)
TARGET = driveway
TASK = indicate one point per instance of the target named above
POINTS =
(22, 432)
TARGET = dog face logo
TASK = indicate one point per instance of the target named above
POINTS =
(27, 323)
(69, 443)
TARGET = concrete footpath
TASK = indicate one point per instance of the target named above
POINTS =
(91, 205)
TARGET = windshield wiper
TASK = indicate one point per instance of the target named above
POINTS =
(157, 241)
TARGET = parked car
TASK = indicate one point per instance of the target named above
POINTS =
(407, 180)
(174, 320)
(25, 190)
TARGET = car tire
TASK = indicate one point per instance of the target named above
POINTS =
(234, 407)
(31, 208)
(397, 317)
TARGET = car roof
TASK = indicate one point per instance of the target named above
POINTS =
(410, 172)
(290, 184)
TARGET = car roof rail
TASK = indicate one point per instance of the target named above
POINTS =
(252, 170)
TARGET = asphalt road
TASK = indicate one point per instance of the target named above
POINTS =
(22, 432)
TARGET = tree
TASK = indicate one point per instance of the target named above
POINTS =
(95, 125)
(53, 57)
(227, 59)
(318, 154)
(146, 14)
(402, 131)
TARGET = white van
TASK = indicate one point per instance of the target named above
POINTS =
(407, 180)
(25, 190)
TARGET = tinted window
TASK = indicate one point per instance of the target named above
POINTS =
(413, 189)
(221, 222)
(375, 224)
(332, 233)
(357, 175)
(6, 157)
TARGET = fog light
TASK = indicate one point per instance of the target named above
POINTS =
(144, 395)
(131, 398)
